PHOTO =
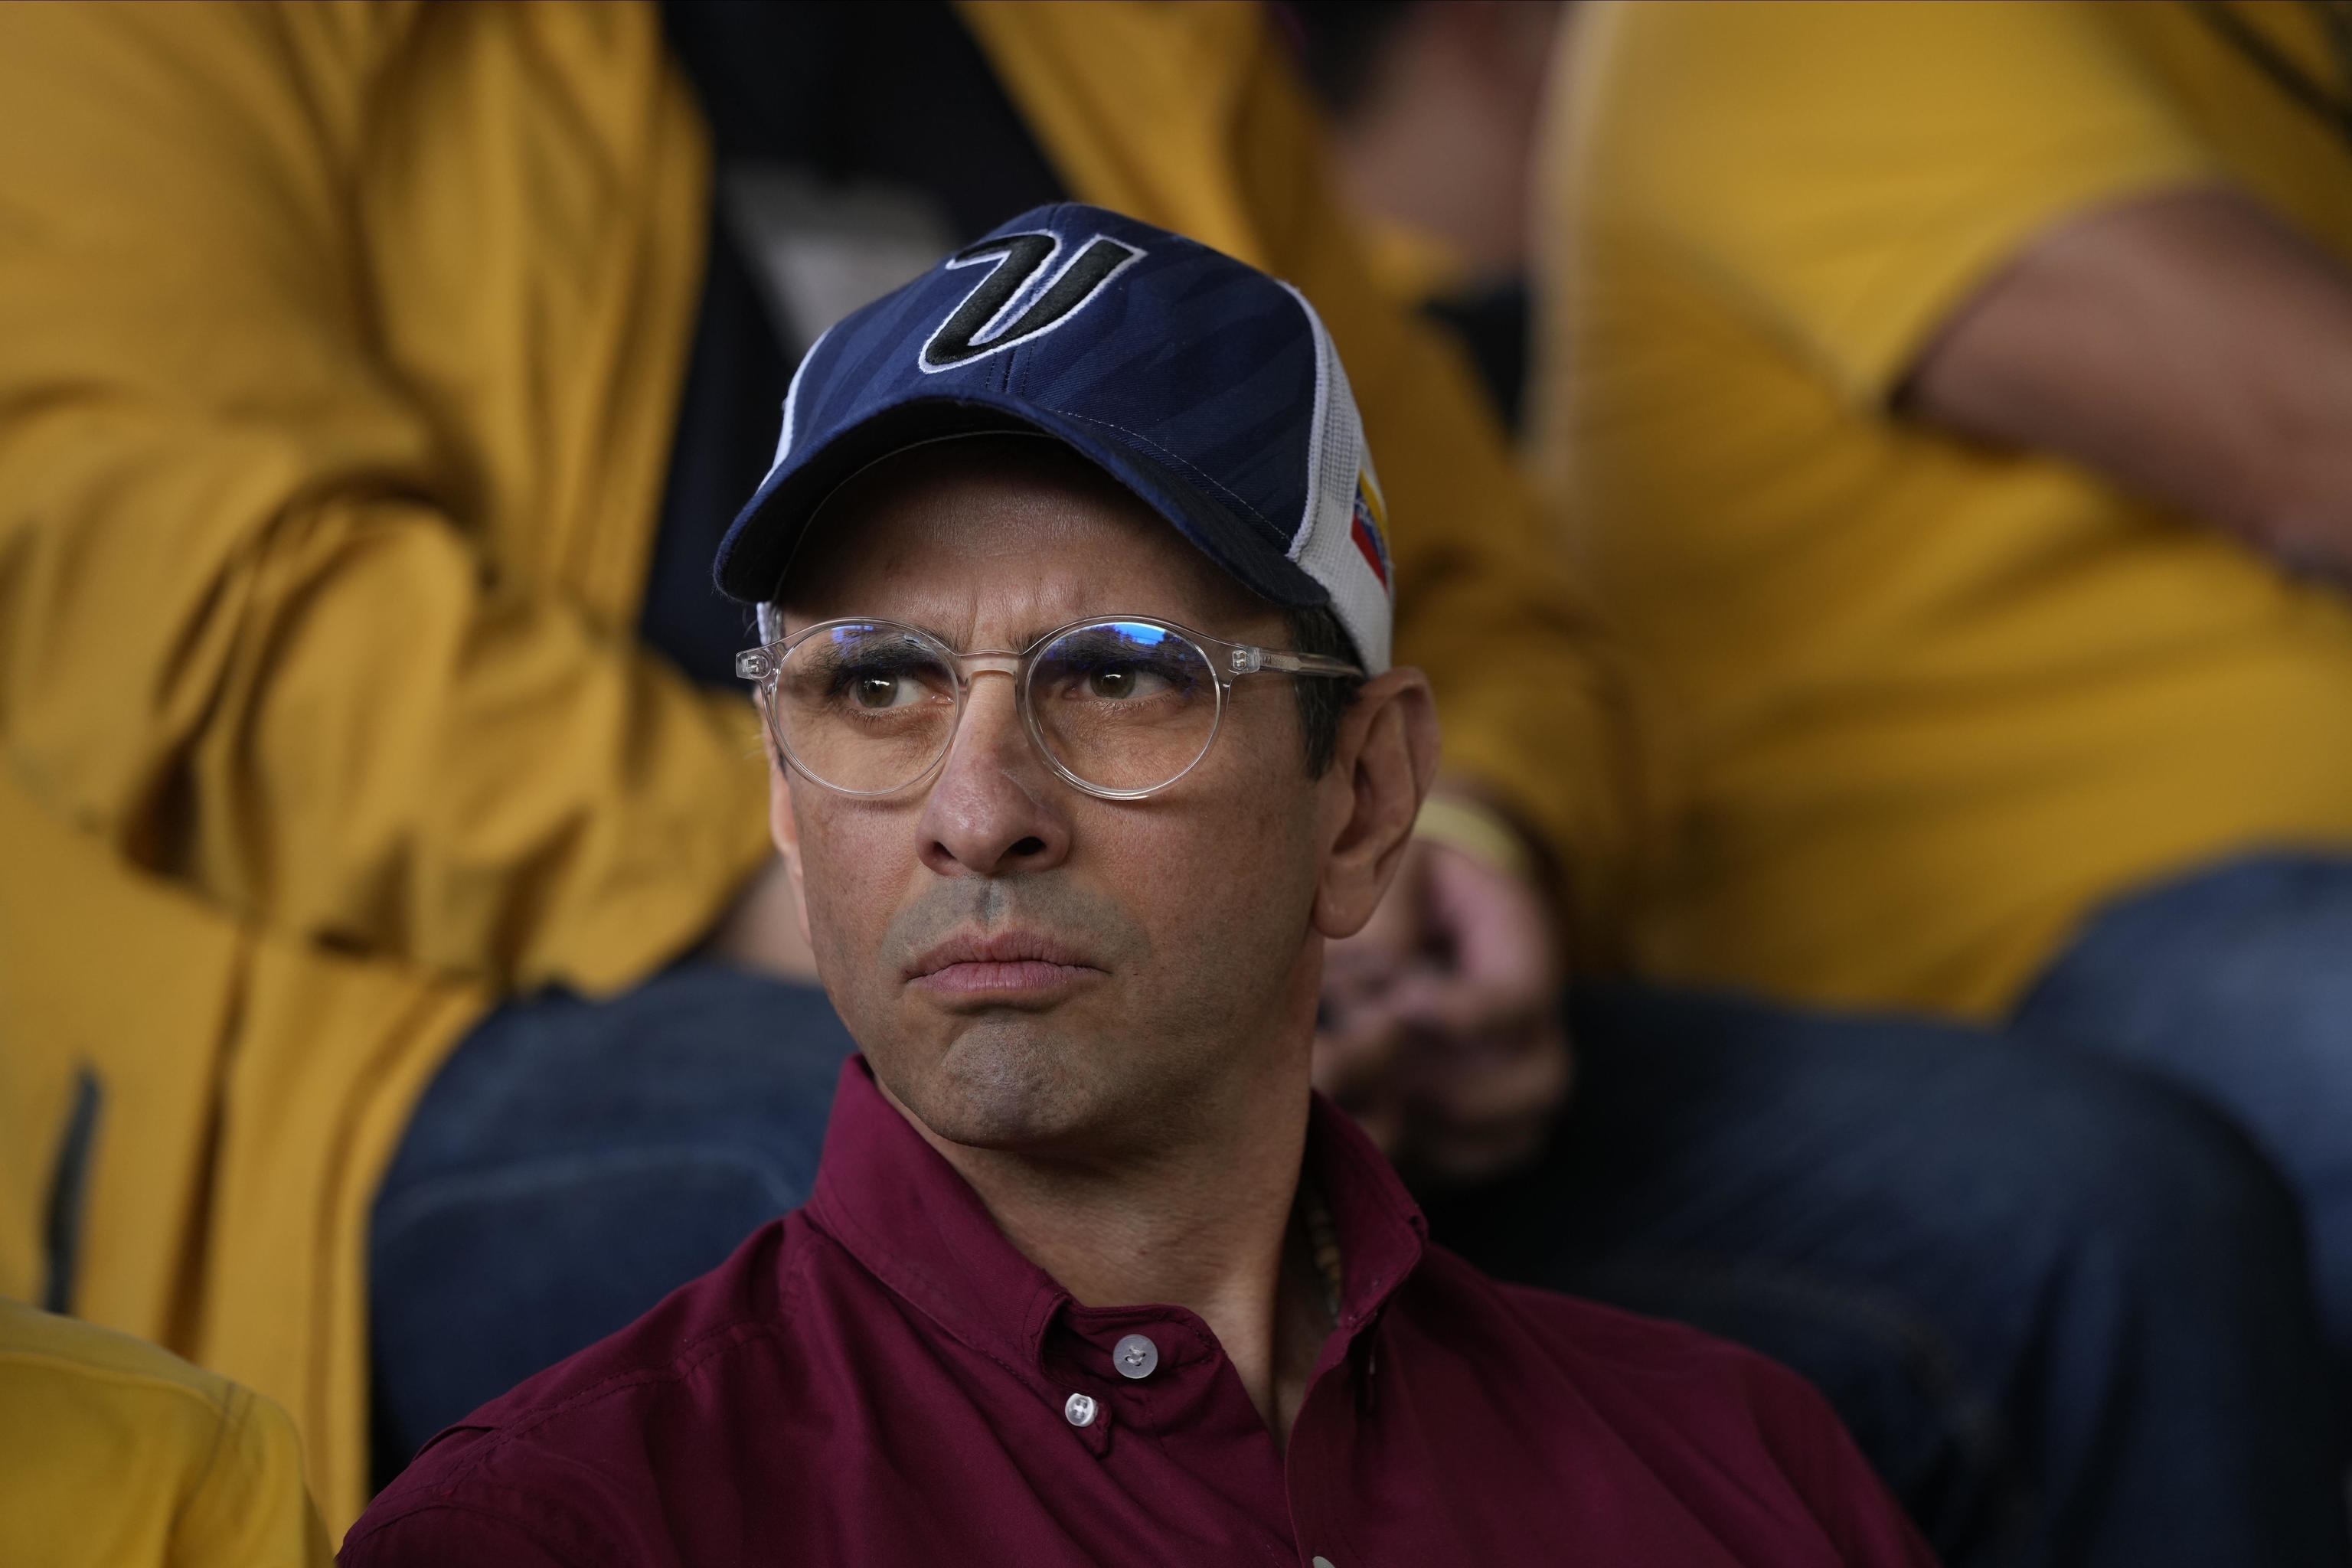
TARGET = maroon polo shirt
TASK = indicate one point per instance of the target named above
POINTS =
(881, 1378)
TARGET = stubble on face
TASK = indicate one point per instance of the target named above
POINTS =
(1005, 1076)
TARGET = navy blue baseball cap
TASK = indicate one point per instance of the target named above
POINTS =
(1207, 388)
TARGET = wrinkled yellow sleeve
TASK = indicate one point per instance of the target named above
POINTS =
(1852, 173)
(1190, 117)
(250, 632)
(116, 1454)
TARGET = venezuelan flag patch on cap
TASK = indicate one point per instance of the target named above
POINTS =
(1367, 528)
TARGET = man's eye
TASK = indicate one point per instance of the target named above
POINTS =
(1125, 682)
(873, 690)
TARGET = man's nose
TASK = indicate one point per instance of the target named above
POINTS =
(995, 807)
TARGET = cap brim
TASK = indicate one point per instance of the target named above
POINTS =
(760, 546)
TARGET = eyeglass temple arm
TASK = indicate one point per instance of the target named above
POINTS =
(1252, 660)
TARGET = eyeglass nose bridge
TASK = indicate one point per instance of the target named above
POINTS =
(1015, 666)
(969, 668)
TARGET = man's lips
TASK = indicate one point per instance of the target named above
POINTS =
(1004, 965)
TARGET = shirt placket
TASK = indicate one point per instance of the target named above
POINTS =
(1165, 1378)
(1317, 1466)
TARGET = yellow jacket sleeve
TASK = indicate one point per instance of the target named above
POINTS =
(117, 1454)
(1191, 116)
(1851, 174)
(261, 626)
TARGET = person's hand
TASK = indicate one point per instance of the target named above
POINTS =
(1441, 1028)
(761, 930)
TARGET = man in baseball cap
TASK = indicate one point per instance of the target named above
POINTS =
(1074, 603)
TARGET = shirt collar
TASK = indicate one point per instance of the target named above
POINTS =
(1381, 1232)
(903, 1212)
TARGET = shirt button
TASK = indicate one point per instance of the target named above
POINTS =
(1079, 1410)
(1135, 1356)
(1322, 1562)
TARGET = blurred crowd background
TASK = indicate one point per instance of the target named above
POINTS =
(1871, 486)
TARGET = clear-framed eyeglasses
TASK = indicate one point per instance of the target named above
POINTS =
(1120, 706)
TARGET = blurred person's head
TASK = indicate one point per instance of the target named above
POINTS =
(1434, 107)
(1071, 897)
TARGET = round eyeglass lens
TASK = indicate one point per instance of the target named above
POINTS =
(865, 707)
(1124, 705)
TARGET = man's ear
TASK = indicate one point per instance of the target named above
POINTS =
(785, 830)
(1381, 769)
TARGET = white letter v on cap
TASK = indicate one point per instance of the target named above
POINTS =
(1021, 259)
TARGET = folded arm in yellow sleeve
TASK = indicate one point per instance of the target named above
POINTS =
(332, 632)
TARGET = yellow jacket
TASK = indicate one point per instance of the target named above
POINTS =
(339, 348)
(115, 1454)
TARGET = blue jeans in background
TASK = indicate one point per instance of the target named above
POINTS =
(2235, 983)
(2062, 1305)
(571, 1164)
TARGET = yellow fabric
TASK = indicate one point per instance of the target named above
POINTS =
(1412, 264)
(339, 352)
(115, 1454)
(1193, 118)
(1921, 705)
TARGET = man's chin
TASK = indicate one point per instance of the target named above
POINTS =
(1003, 1084)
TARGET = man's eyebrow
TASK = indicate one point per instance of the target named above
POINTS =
(1029, 636)
(1036, 634)
(928, 631)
